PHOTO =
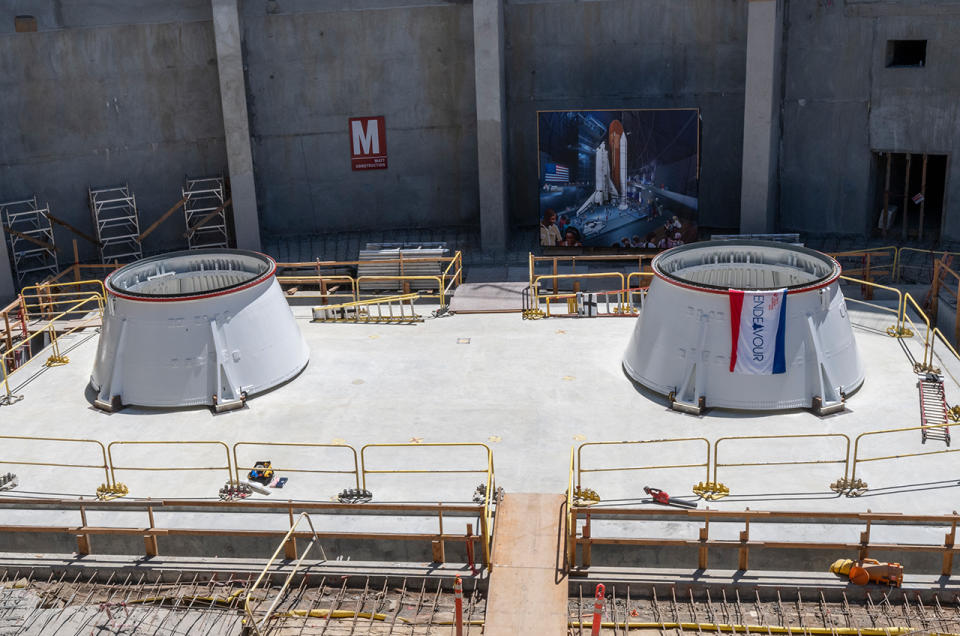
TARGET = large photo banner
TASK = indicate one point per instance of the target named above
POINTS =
(618, 178)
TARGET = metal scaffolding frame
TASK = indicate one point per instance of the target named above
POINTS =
(30, 237)
(117, 222)
(205, 213)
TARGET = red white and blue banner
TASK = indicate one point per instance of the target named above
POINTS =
(757, 321)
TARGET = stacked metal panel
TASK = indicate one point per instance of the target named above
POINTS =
(205, 213)
(393, 252)
(117, 222)
(30, 237)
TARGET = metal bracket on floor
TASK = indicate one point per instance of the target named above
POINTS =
(585, 496)
(57, 361)
(9, 481)
(109, 492)
(711, 490)
(848, 487)
(899, 332)
(822, 409)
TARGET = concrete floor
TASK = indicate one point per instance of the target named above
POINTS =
(530, 390)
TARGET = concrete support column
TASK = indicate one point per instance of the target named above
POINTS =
(6, 273)
(491, 122)
(233, 98)
(761, 117)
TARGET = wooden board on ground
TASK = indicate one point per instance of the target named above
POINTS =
(528, 588)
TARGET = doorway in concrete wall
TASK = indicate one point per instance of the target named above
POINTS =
(910, 190)
(910, 195)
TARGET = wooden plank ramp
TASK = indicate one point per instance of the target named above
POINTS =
(528, 587)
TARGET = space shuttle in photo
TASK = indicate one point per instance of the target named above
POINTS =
(610, 169)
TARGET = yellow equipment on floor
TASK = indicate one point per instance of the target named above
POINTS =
(869, 571)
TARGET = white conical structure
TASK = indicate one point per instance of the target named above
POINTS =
(682, 342)
(199, 327)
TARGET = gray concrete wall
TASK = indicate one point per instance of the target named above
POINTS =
(841, 102)
(95, 105)
(564, 54)
(313, 65)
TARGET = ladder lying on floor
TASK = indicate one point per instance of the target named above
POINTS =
(388, 309)
(933, 409)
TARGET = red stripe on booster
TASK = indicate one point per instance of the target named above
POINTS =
(736, 307)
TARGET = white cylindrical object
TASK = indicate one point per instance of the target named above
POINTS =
(681, 344)
(198, 327)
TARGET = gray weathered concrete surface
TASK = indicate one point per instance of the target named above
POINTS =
(233, 99)
(761, 117)
(135, 103)
(623, 54)
(491, 124)
(841, 103)
(309, 71)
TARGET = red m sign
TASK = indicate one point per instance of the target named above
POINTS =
(368, 143)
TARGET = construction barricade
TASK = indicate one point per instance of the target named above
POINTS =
(306, 462)
(445, 459)
(192, 448)
(586, 496)
(783, 456)
(73, 448)
(856, 484)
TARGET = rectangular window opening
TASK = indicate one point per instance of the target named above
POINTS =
(906, 53)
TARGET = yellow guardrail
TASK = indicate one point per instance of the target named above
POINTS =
(402, 301)
(241, 468)
(250, 621)
(45, 299)
(869, 267)
(908, 300)
(916, 250)
(858, 485)
(486, 519)
(570, 549)
(402, 279)
(92, 303)
(114, 467)
(324, 282)
(104, 466)
(721, 490)
(679, 440)
(897, 328)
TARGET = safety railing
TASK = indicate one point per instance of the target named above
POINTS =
(341, 449)
(251, 622)
(59, 441)
(895, 330)
(584, 538)
(656, 445)
(43, 301)
(907, 321)
(363, 310)
(870, 264)
(47, 336)
(717, 489)
(556, 260)
(488, 494)
(329, 284)
(537, 297)
(604, 304)
(114, 467)
(857, 485)
(940, 272)
(210, 518)
(933, 255)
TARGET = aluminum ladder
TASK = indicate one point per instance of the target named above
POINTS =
(934, 415)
